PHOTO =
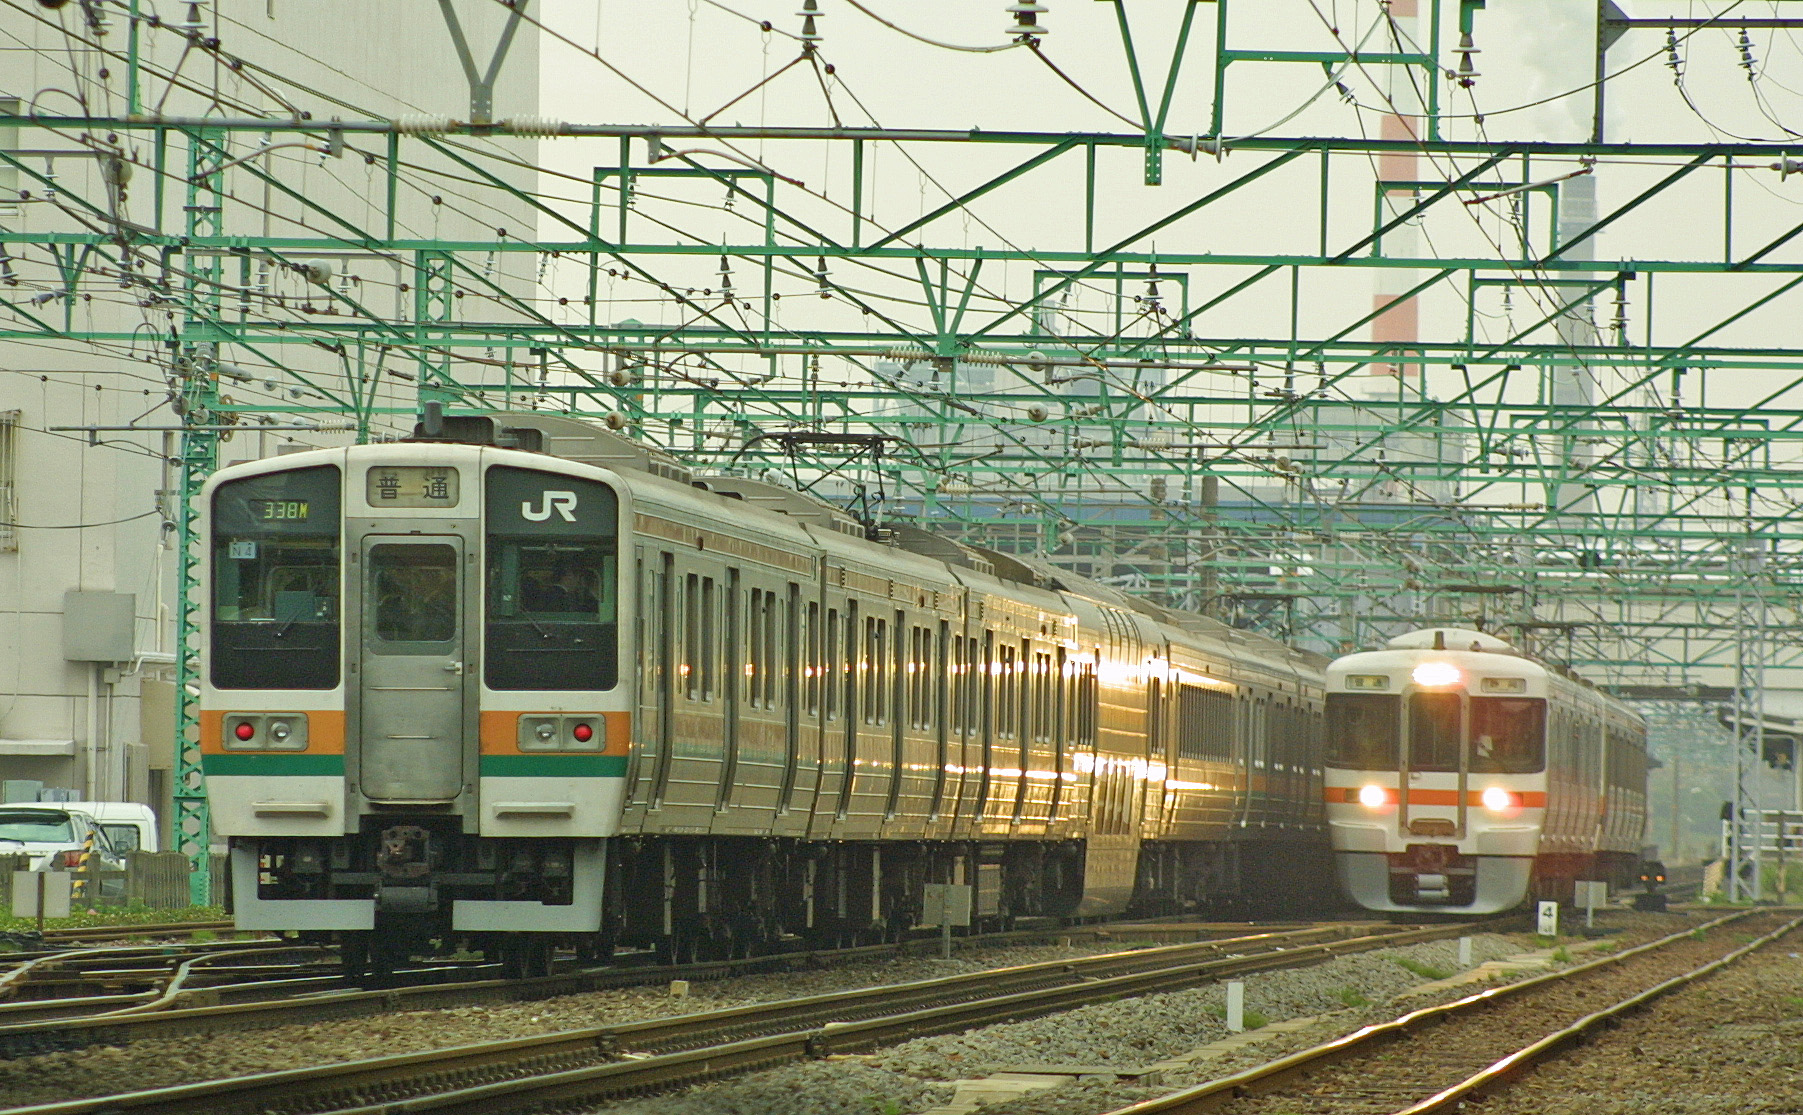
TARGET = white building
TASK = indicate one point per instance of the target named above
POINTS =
(86, 689)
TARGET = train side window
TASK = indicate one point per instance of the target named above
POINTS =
(1005, 682)
(870, 670)
(855, 665)
(829, 666)
(691, 636)
(1042, 697)
(963, 722)
(711, 601)
(1088, 705)
(775, 629)
(755, 666)
(807, 653)
(1362, 731)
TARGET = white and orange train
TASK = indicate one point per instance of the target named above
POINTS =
(1465, 777)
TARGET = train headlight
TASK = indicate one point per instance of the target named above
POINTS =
(562, 733)
(266, 731)
(1373, 797)
(1435, 674)
(1498, 800)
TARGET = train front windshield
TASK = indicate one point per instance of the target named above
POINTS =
(1506, 734)
(275, 581)
(553, 582)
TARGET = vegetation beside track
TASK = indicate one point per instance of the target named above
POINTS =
(108, 916)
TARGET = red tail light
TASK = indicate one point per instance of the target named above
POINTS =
(583, 733)
(244, 731)
(71, 857)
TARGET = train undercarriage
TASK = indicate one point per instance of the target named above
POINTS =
(691, 898)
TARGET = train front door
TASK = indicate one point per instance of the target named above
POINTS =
(412, 668)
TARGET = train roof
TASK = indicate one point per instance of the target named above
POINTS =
(572, 438)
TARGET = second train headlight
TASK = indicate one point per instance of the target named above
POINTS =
(1373, 797)
(1434, 674)
(1498, 800)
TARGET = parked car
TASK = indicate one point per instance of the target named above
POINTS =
(55, 836)
(130, 826)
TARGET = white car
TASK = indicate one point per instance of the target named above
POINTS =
(54, 838)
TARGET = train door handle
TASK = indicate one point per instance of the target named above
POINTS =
(454, 668)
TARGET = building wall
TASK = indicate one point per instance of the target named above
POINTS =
(97, 516)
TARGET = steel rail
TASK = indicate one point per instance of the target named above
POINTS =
(24, 1031)
(159, 929)
(660, 1052)
(1527, 1057)
(1211, 1094)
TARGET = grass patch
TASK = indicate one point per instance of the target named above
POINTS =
(1544, 941)
(1256, 1020)
(116, 915)
(1425, 971)
(1351, 997)
(1561, 955)
(1792, 1004)
(1699, 933)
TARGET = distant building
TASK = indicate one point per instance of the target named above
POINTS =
(87, 551)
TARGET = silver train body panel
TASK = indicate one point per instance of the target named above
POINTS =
(772, 680)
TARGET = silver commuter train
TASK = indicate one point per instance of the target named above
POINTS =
(524, 680)
(1464, 777)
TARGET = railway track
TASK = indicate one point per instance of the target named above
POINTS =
(1443, 1057)
(661, 1053)
(206, 1001)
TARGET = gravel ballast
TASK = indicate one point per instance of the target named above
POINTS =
(1726, 1046)
(913, 1077)
(162, 1062)
(1126, 1035)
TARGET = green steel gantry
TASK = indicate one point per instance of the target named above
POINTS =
(1181, 394)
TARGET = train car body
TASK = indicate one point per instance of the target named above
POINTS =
(530, 681)
(1464, 777)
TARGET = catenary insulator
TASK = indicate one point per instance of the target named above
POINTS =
(534, 125)
(1026, 19)
(421, 124)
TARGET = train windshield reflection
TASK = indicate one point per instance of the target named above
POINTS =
(1508, 735)
(1361, 731)
(1434, 731)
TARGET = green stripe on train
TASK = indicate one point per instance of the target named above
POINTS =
(553, 766)
(274, 764)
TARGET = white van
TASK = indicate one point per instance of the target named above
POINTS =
(130, 826)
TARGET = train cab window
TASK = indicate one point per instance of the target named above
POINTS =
(276, 572)
(552, 581)
(413, 593)
(1508, 735)
(1434, 731)
(1361, 730)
